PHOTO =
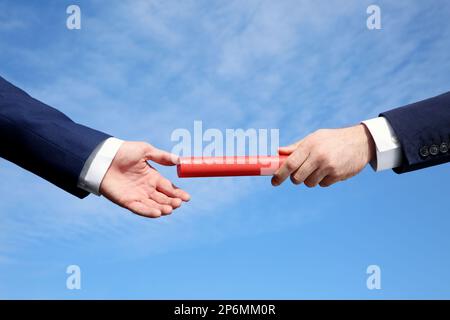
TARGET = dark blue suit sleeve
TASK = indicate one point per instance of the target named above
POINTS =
(43, 140)
(423, 129)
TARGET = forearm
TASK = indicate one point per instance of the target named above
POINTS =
(43, 140)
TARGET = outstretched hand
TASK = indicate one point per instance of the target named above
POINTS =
(131, 182)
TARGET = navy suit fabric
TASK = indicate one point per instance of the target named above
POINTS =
(423, 130)
(43, 140)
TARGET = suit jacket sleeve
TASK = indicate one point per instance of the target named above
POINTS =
(423, 130)
(43, 140)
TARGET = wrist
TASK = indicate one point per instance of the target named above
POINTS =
(366, 142)
(97, 165)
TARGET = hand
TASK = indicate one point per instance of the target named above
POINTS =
(135, 185)
(326, 157)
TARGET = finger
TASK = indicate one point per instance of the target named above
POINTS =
(176, 203)
(164, 208)
(144, 210)
(161, 198)
(291, 164)
(305, 170)
(160, 156)
(169, 189)
(328, 181)
(288, 149)
(315, 178)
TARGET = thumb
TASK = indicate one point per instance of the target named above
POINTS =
(160, 156)
(288, 149)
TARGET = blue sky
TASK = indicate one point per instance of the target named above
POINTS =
(140, 69)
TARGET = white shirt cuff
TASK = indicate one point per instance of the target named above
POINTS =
(98, 164)
(389, 152)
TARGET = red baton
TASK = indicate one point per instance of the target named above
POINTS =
(190, 167)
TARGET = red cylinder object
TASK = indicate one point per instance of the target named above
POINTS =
(190, 167)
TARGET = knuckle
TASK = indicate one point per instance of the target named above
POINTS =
(301, 151)
(329, 166)
(291, 164)
(321, 158)
(147, 146)
(333, 171)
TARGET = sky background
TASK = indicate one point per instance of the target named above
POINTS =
(140, 69)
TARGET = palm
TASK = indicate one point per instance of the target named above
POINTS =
(133, 184)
